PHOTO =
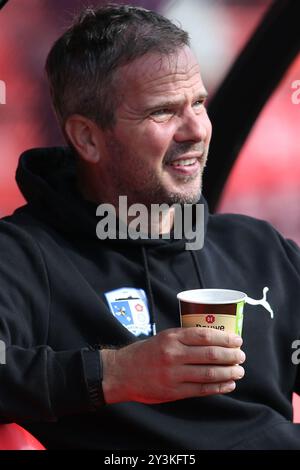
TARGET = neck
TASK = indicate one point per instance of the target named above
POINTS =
(153, 219)
(162, 222)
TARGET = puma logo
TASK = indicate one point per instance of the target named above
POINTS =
(263, 302)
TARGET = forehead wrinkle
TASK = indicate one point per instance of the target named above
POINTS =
(152, 67)
(171, 82)
(174, 75)
(172, 87)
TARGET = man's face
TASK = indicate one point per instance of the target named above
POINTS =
(157, 150)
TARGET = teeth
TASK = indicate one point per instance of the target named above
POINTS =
(190, 161)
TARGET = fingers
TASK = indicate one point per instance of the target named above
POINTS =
(208, 336)
(210, 374)
(213, 355)
(199, 346)
(202, 390)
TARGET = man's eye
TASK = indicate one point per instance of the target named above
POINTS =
(161, 112)
(162, 115)
(199, 103)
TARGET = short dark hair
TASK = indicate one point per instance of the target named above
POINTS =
(81, 64)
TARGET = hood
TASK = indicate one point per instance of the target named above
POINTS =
(47, 179)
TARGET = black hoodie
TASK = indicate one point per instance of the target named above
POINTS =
(54, 314)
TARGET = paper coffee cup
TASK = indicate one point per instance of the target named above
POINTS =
(221, 309)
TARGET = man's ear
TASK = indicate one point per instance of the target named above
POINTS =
(83, 134)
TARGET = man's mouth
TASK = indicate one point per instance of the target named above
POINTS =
(184, 162)
(185, 166)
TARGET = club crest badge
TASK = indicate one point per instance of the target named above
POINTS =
(130, 307)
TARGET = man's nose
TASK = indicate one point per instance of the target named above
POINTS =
(193, 127)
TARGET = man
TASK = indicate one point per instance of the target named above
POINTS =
(83, 369)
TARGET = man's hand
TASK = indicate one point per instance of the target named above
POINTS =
(177, 363)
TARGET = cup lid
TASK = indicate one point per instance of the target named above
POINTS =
(212, 296)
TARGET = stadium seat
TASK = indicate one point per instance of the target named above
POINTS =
(14, 437)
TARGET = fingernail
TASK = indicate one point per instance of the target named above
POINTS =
(229, 387)
(237, 340)
(240, 372)
(242, 357)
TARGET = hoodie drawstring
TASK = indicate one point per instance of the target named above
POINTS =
(150, 292)
(149, 287)
(197, 269)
